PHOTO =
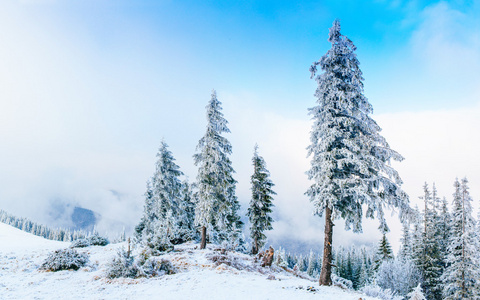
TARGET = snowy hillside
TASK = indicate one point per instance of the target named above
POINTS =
(197, 276)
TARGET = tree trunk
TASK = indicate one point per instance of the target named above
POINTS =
(255, 247)
(325, 274)
(203, 243)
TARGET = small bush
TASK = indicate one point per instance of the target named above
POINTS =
(376, 291)
(80, 243)
(94, 240)
(122, 265)
(64, 259)
(155, 266)
(342, 282)
(125, 265)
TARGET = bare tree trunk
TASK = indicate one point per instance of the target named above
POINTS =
(325, 274)
(203, 243)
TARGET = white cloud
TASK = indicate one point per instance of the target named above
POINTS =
(448, 40)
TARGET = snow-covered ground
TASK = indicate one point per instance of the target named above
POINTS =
(197, 278)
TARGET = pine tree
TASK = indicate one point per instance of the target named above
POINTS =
(417, 239)
(461, 277)
(416, 294)
(384, 252)
(431, 260)
(405, 252)
(149, 215)
(311, 263)
(261, 202)
(159, 225)
(364, 277)
(444, 229)
(350, 159)
(186, 214)
(217, 206)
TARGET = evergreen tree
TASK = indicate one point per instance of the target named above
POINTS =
(384, 252)
(159, 226)
(311, 263)
(417, 239)
(261, 202)
(416, 294)
(405, 252)
(431, 261)
(364, 277)
(149, 215)
(217, 206)
(461, 277)
(444, 229)
(186, 214)
(350, 159)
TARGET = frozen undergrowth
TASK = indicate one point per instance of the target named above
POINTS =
(200, 274)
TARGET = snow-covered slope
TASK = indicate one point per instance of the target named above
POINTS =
(198, 277)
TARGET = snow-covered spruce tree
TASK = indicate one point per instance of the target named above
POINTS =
(159, 223)
(350, 159)
(405, 252)
(384, 252)
(444, 228)
(417, 238)
(311, 263)
(149, 215)
(431, 259)
(217, 205)
(416, 294)
(186, 214)
(261, 202)
(461, 279)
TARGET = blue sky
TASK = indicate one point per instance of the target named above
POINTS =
(89, 88)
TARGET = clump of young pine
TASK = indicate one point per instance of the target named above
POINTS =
(168, 210)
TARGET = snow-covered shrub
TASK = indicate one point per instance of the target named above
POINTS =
(64, 259)
(122, 265)
(96, 240)
(342, 282)
(222, 257)
(399, 276)
(376, 291)
(80, 243)
(144, 265)
(155, 266)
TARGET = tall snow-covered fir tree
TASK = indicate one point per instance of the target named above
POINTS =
(166, 184)
(431, 262)
(261, 202)
(161, 222)
(217, 205)
(350, 159)
(461, 279)
(417, 238)
(444, 229)
(406, 252)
